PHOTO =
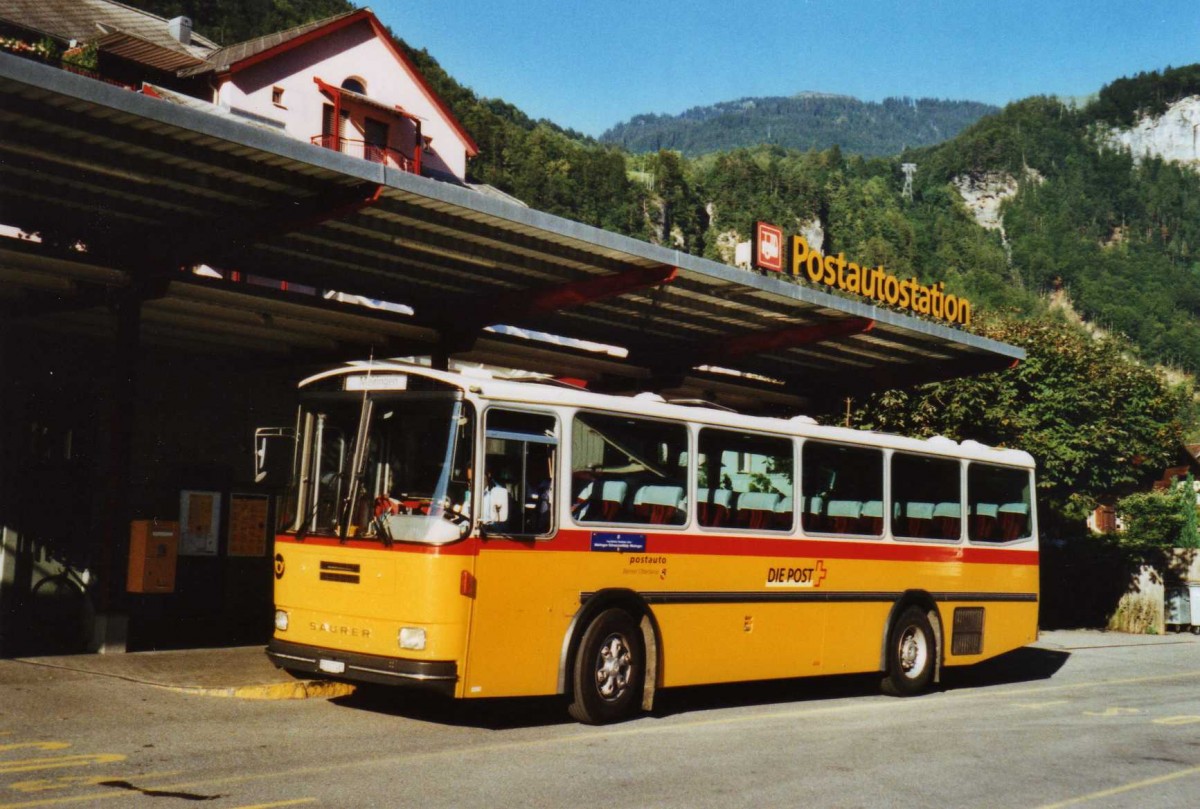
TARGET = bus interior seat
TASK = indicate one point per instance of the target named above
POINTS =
(983, 524)
(608, 507)
(947, 520)
(1014, 518)
(713, 506)
(872, 517)
(844, 516)
(783, 513)
(659, 505)
(756, 509)
(918, 519)
(813, 516)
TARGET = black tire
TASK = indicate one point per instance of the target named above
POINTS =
(911, 654)
(610, 669)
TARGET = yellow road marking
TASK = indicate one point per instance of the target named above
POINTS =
(58, 762)
(1108, 793)
(296, 802)
(35, 746)
(1113, 712)
(1037, 706)
(86, 797)
(1177, 720)
(69, 781)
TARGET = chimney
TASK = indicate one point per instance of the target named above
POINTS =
(181, 29)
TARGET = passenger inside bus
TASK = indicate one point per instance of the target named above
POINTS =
(496, 499)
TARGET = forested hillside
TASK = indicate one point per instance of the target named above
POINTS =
(230, 21)
(1119, 236)
(803, 121)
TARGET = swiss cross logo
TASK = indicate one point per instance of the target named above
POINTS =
(768, 247)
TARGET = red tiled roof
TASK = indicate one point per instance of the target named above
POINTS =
(227, 58)
(88, 20)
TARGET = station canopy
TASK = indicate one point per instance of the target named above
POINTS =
(145, 190)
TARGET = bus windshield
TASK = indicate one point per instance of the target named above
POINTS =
(383, 467)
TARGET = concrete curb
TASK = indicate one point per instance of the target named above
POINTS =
(301, 689)
(177, 677)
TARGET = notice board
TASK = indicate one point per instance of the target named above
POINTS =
(248, 519)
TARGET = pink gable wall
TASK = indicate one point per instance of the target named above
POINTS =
(351, 51)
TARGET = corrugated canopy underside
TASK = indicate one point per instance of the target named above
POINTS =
(148, 185)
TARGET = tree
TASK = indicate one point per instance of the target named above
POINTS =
(681, 215)
(1163, 518)
(1097, 421)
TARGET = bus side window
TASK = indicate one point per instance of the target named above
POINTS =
(1000, 503)
(744, 481)
(628, 470)
(926, 497)
(518, 473)
(842, 489)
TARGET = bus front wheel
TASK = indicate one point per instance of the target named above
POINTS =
(911, 654)
(610, 669)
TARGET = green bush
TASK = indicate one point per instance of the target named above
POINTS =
(1164, 518)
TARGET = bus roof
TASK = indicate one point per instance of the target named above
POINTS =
(531, 390)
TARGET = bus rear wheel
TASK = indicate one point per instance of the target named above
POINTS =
(609, 670)
(911, 654)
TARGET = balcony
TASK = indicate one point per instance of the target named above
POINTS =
(368, 151)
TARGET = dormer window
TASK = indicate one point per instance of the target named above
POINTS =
(355, 85)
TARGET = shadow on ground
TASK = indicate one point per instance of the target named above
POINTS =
(1022, 665)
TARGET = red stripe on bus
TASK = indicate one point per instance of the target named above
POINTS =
(755, 546)
(578, 541)
(467, 547)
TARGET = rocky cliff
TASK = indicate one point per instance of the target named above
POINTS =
(1174, 135)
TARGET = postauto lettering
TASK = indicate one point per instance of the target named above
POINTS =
(878, 284)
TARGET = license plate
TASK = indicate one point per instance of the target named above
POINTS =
(332, 666)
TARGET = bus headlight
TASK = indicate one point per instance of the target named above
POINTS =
(412, 638)
(281, 620)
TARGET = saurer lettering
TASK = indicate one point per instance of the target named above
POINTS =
(338, 629)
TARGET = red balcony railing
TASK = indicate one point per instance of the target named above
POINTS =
(368, 151)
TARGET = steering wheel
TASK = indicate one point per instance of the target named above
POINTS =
(388, 505)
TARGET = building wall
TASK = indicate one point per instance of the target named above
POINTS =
(193, 425)
(351, 51)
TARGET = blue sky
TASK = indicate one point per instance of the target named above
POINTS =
(589, 65)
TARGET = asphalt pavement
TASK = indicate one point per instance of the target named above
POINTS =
(246, 673)
(1082, 718)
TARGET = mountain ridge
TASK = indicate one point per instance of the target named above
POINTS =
(805, 120)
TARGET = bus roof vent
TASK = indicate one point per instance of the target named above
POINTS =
(548, 380)
(700, 403)
(942, 441)
(802, 420)
(647, 396)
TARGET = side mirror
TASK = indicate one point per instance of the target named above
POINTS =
(263, 438)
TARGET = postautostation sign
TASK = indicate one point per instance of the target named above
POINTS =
(875, 283)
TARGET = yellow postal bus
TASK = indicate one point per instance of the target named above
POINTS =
(490, 537)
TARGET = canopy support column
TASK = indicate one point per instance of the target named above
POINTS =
(110, 630)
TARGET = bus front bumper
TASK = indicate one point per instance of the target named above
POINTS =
(435, 675)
